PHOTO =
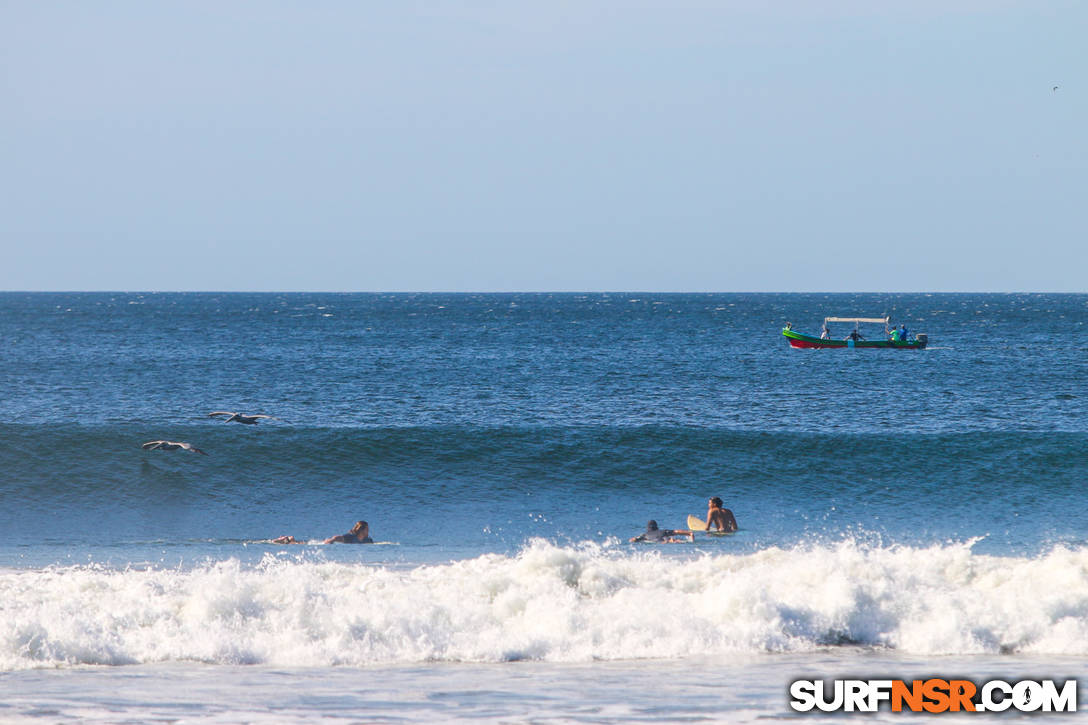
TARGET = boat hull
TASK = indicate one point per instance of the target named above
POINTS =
(800, 340)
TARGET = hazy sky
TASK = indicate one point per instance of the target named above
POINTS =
(581, 145)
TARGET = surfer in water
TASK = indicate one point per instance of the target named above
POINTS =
(654, 535)
(359, 534)
(720, 517)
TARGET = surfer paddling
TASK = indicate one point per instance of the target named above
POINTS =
(171, 446)
(233, 417)
(359, 534)
(654, 535)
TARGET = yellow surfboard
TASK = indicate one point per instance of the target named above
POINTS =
(697, 524)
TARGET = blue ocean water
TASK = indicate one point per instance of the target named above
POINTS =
(504, 446)
(477, 421)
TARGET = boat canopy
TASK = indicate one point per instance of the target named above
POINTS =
(856, 320)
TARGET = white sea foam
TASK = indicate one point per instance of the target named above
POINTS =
(562, 604)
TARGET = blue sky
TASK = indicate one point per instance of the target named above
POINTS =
(472, 146)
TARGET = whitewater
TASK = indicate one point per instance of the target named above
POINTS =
(548, 603)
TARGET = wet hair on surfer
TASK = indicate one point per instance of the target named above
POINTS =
(651, 525)
(716, 501)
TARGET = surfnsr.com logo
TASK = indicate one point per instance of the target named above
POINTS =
(933, 695)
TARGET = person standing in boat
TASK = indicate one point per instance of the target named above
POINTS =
(903, 333)
(826, 333)
(854, 335)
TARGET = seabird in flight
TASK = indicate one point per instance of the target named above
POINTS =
(171, 446)
(240, 417)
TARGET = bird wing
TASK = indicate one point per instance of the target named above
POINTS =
(220, 412)
(190, 447)
(152, 445)
(272, 417)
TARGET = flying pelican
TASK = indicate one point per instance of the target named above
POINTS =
(240, 417)
(171, 446)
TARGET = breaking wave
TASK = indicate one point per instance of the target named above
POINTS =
(550, 603)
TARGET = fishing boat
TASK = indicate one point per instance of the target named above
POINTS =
(854, 339)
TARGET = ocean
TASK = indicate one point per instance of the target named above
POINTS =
(902, 513)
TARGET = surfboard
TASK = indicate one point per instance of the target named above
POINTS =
(697, 524)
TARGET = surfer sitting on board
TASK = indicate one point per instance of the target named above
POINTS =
(721, 517)
(359, 534)
(654, 535)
